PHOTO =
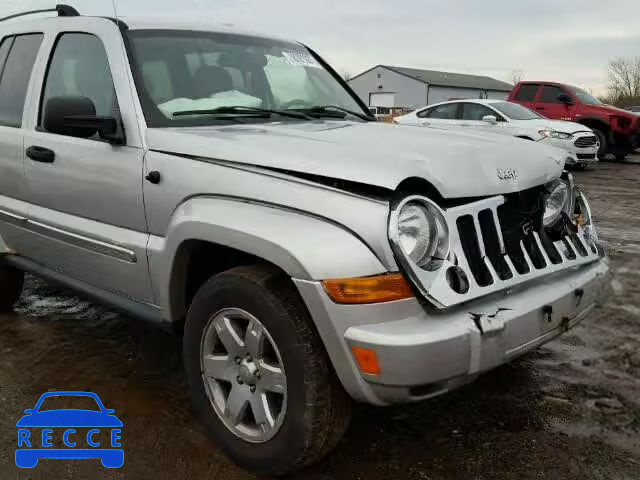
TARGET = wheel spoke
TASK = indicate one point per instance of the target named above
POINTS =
(254, 339)
(272, 379)
(262, 412)
(229, 337)
(220, 367)
(237, 403)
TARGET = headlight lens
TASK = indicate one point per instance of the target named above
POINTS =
(584, 218)
(557, 201)
(548, 132)
(415, 231)
(422, 234)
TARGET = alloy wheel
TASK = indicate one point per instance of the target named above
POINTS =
(244, 376)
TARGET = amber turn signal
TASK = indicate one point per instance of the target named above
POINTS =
(378, 289)
(367, 360)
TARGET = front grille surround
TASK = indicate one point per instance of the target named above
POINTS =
(477, 247)
(585, 142)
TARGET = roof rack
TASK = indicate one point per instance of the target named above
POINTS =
(61, 9)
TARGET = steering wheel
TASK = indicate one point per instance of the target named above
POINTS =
(295, 101)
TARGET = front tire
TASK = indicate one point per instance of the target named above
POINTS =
(259, 376)
(11, 285)
(603, 138)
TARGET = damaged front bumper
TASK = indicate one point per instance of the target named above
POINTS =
(425, 352)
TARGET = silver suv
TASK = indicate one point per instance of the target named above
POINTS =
(233, 184)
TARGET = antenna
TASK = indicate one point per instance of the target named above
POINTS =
(115, 10)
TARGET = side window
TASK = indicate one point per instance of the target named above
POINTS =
(16, 75)
(550, 94)
(475, 111)
(5, 46)
(79, 68)
(448, 111)
(527, 92)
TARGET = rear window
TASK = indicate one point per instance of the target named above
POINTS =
(527, 92)
(69, 402)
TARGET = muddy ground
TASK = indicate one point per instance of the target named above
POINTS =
(570, 410)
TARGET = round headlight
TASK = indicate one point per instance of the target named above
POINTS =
(421, 233)
(415, 232)
(557, 201)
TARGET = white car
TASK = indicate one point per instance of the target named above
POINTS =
(507, 118)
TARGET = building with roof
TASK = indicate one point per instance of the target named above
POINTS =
(388, 87)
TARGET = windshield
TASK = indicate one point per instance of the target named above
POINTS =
(585, 97)
(515, 111)
(66, 402)
(198, 72)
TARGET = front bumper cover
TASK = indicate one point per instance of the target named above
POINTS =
(424, 352)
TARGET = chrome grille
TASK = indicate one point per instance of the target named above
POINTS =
(584, 142)
(492, 262)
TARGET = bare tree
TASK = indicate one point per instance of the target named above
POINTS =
(516, 76)
(624, 79)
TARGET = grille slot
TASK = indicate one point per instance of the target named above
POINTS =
(584, 142)
(473, 248)
(494, 244)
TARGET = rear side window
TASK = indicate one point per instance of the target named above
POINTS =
(527, 92)
(5, 46)
(448, 111)
(550, 94)
(16, 73)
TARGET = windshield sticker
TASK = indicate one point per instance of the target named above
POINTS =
(301, 59)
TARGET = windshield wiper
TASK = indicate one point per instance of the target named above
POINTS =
(253, 112)
(334, 111)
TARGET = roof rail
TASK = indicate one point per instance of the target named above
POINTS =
(63, 11)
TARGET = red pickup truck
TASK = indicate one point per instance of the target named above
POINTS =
(618, 130)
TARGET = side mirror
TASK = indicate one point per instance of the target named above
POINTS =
(490, 119)
(76, 117)
(109, 411)
(29, 411)
(564, 98)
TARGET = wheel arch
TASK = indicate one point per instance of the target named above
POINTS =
(210, 235)
(595, 122)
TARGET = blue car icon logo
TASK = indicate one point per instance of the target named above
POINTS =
(80, 433)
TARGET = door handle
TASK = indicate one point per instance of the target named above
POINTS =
(540, 108)
(40, 154)
(153, 177)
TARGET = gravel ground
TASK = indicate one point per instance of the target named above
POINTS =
(570, 410)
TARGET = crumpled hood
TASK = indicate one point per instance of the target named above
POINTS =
(457, 164)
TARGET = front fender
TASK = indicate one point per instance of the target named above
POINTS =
(305, 247)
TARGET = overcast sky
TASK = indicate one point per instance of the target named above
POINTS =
(564, 40)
